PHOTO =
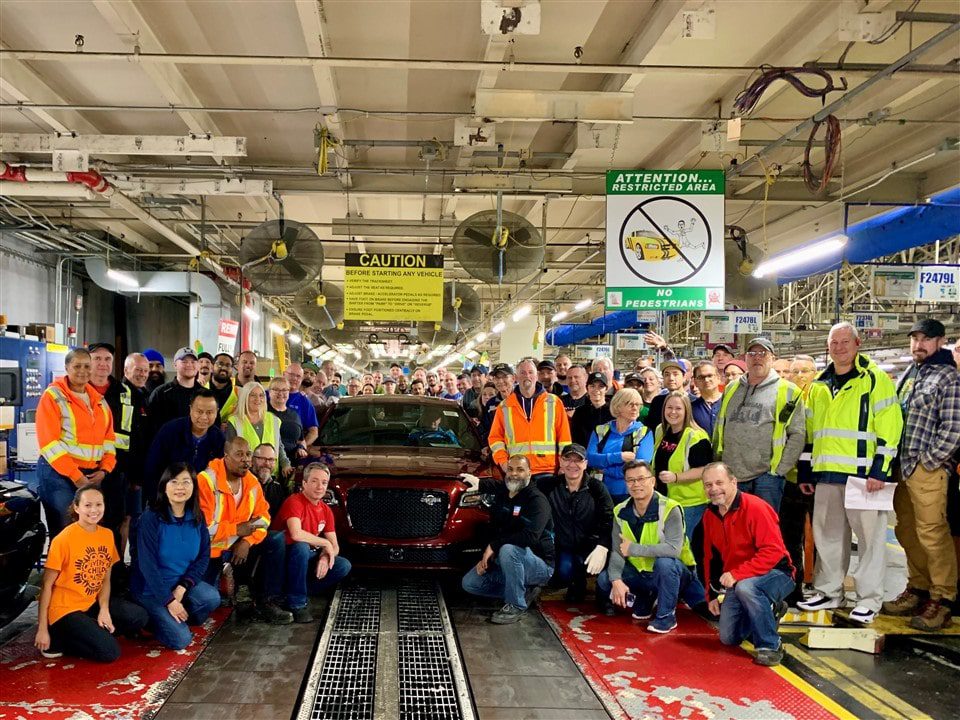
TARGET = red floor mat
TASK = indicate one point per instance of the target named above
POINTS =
(135, 686)
(685, 674)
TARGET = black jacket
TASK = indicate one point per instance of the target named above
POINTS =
(581, 520)
(524, 520)
(169, 402)
(585, 420)
(130, 461)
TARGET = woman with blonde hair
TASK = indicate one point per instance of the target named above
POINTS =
(681, 450)
(621, 440)
(257, 426)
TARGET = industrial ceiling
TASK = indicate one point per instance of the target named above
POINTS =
(383, 124)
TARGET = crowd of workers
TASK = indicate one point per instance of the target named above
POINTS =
(689, 482)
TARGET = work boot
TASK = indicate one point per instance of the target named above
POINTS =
(274, 614)
(934, 616)
(227, 585)
(908, 602)
(302, 615)
(769, 657)
(507, 615)
(531, 594)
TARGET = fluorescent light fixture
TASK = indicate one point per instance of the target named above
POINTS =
(800, 256)
(583, 305)
(520, 313)
(559, 316)
(251, 314)
(480, 337)
(293, 337)
(123, 279)
(470, 345)
(498, 328)
(307, 345)
(275, 329)
(315, 352)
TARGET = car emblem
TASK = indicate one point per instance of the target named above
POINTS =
(430, 499)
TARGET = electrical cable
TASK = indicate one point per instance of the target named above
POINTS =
(831, 144)
(747, 100)
(894, 28)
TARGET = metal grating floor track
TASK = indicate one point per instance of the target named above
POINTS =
(387, 652)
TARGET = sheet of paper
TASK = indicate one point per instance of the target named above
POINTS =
(857, 497)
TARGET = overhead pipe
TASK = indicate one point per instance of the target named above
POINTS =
(312, 61)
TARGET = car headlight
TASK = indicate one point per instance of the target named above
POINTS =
(475, 498)
(330, 498)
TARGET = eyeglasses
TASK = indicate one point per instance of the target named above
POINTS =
(638, 480)
(261, 457)
(757, 353)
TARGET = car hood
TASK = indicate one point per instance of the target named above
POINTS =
(403, 462)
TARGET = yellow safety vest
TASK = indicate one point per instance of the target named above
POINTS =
(787, 394)
(271, 434)
(687, 494)
(652, 533)
(126, 418)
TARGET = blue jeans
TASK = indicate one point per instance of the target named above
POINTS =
(301, 579)
(747, 610)
(669, 580)
(265, 559)
(199, 601)
(691, 518)
(570, 570)
(56, 494)
(767, 487)
(515, 570)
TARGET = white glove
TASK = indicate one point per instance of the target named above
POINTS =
(597, 560)
(472, 481)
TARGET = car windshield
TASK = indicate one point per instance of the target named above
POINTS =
(398, 423)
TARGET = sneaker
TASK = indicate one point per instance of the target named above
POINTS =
(273, 614)
(51, 653)
(301, 615)
(663, 625)
(643, 611)
(908, 602)
(780, 609)
(862, 615)
(227, 586)
(507, 615)
(531, 595)
(934, 616)
(819, 602)
(769, 657)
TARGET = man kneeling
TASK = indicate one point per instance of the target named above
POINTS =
(756, 570)
(313, 560)
(518, 561)
(654, 562)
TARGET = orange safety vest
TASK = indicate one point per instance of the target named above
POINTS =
(72, 435)
(540, 438)
(223, 513)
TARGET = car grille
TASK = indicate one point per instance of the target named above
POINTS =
(380, 555)
(399, 513)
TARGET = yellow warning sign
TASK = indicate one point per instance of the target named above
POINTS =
(393, 286)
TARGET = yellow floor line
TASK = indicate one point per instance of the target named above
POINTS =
(877, 691)
(846, 684)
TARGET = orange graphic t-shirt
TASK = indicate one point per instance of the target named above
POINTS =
(83, 559)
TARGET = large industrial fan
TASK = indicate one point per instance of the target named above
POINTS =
(319, 307)
(461, 306)
(346, 331)
(497, 252)
(434, 334)
(281, 256)
(740, 260)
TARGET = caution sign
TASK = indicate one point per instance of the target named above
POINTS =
(665, 240)
(393, 286)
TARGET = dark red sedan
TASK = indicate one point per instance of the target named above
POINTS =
(395, 488)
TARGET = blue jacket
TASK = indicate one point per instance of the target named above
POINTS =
(170, 551)
(608, 458)
(175, 443)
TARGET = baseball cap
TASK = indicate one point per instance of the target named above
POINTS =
(671, 364)
(546, 365)
(725, 348)
(185, 352)
(503, 369)
(633, 377)
(929, 327)
(206, 355)
(738, 363)
(389, 379)
(764, 343)
(574, 449)
(153, 356)
(481, 369)
(310, 366)
(597, 377)
(93, 347)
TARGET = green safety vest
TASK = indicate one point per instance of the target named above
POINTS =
(687, 494)
(271, 434)
(652, 533)
(788, 395)
(230, 405)
(122, 433)
(861, 421)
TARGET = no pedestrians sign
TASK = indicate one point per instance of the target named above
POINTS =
(665, 240)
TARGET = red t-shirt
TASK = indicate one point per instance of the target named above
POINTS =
(314, 519)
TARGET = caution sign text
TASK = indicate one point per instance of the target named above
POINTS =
(393, 286)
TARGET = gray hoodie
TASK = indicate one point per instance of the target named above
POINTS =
(748, 430)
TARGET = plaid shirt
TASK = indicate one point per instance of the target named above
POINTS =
(931, 431)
